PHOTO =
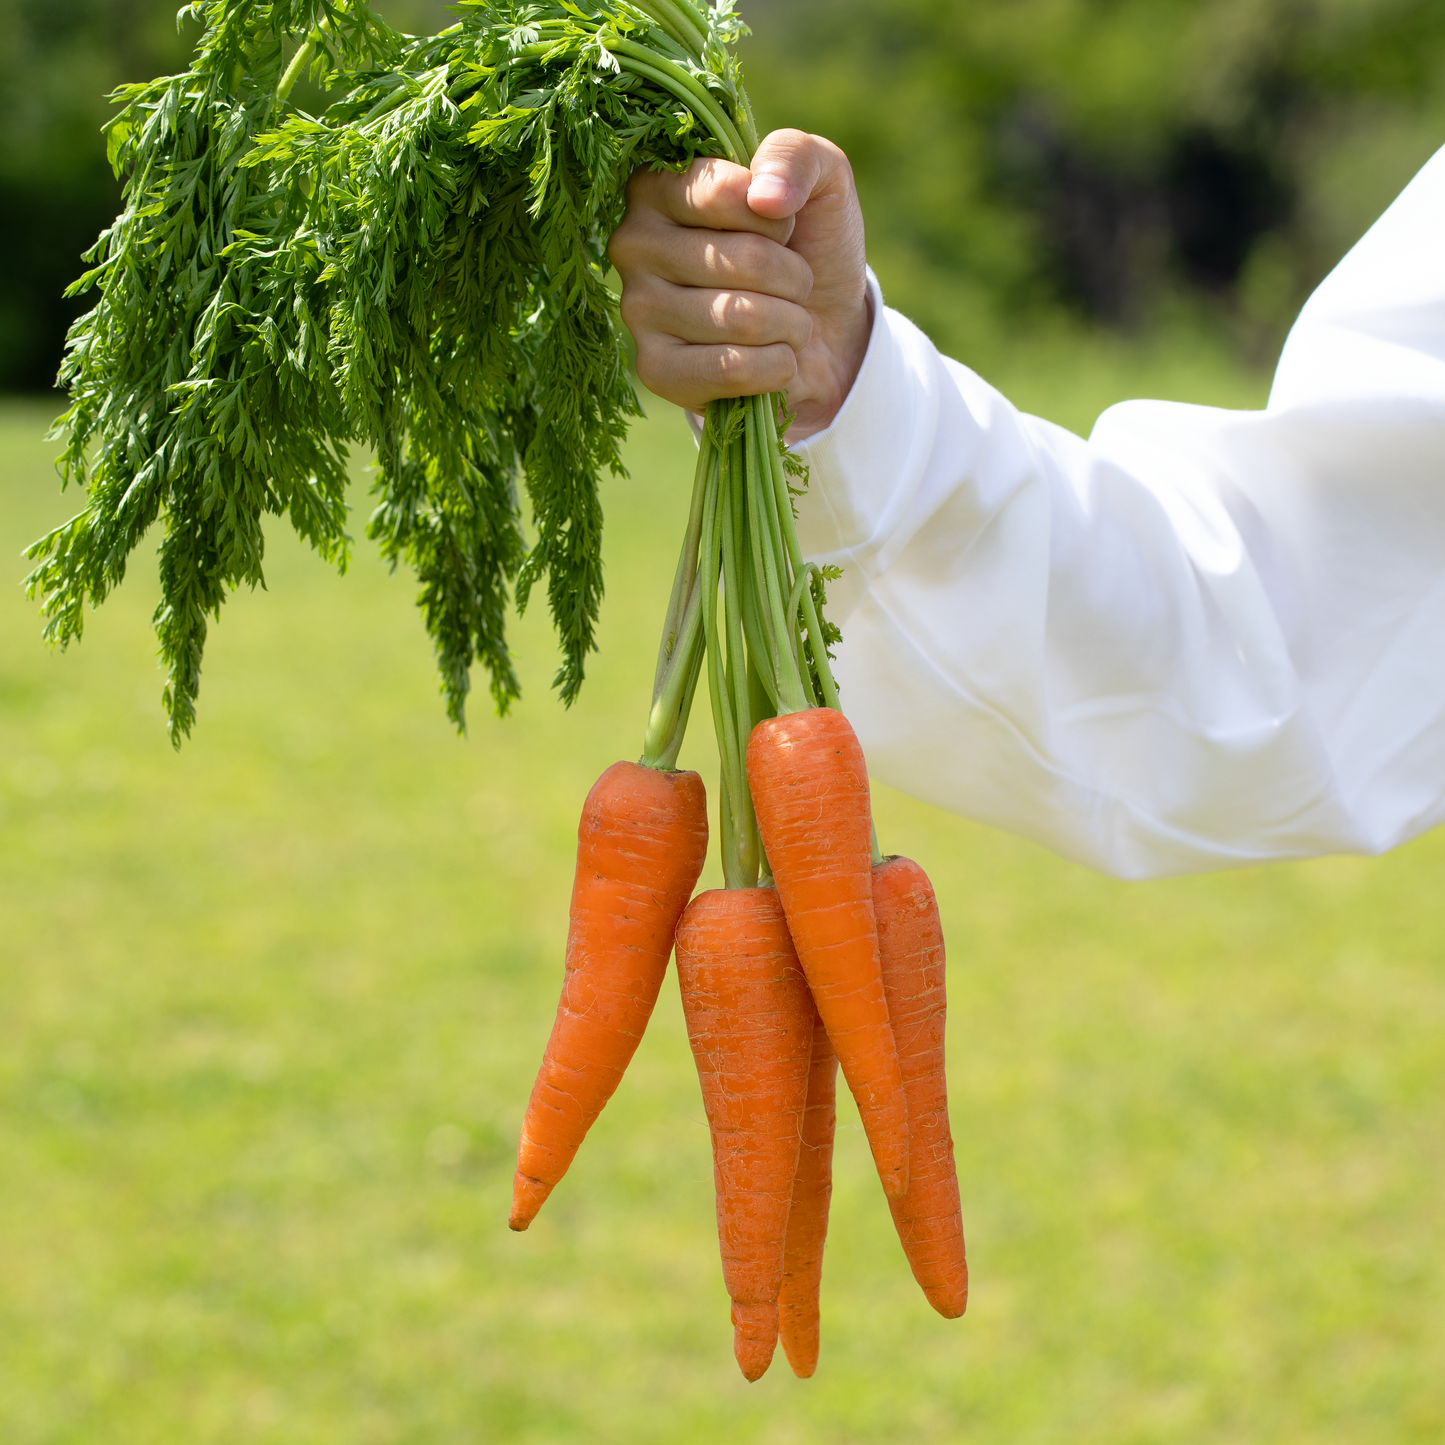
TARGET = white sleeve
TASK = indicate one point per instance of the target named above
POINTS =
(1199, 639)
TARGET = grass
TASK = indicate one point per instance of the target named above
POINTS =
(272, 1008)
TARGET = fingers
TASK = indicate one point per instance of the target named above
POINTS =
(711, 293)
(704, 317)
(691, 376)
(695, 344)
(790, 169)
(711, 194)
(737, 281)
(648, 245)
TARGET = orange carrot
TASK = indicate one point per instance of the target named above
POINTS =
(810, 792)
(640, 848)
(808, 1216)
(927, 1217)
(750, 1023)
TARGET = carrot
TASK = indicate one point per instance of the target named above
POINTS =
(640, 847)
(808, 1216)
(927, 1217)
(810, 791)
(750, 1024)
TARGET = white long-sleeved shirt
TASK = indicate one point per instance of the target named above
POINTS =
(1201, 638)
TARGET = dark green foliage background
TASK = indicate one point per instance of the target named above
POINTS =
(1047, 161)
(1135, 162)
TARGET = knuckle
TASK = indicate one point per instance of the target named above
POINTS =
(713, 188)
(643, 307)
(802, 277)
(747, 370)
(644, 187)
(728, 370)
(728, 312)
(790, 138)
(752, 255)
(701, 183)
(622, 246)
(738, 317)
(652, 368)
(779, 368)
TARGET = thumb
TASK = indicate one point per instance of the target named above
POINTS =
(788, 167)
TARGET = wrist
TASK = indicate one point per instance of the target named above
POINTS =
(830, 366)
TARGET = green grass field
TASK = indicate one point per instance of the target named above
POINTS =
(270, 1010)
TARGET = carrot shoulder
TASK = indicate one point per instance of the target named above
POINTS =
(927, 1217)
(810, 791)
(808, 1216)
(750, 1023)
(640, 847)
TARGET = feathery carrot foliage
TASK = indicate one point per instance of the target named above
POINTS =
(419, 270)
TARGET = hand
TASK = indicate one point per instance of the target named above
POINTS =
(736, 281)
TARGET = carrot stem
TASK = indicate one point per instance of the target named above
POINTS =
(681, 22)
(298, 65)
(687, 562)
(762, 585)
(680, 652)
(789, 528)
(731, 805)
(775, 566)
(656, 68)
(667, 722)
(745, 839)
(755, 631)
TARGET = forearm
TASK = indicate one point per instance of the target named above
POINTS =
(1179, 646)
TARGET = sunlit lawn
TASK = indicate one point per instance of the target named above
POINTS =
(270, 1009)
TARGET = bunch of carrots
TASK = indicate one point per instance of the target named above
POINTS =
(818, 952)
(421, 268)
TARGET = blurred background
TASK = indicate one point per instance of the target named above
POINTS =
(270, 1007)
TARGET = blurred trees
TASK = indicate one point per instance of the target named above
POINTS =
(59, 59)
(1114, 158)
(1117, 161)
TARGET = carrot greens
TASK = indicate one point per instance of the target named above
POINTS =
(419, 270)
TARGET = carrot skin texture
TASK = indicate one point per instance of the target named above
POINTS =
(808, 1216)
(928, 1217)
(810, 792)
(641, 843)
(750, 1024)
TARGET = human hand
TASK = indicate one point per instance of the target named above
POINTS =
(737, 282)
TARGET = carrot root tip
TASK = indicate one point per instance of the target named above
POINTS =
(528, 1196)
(755, 1337)
(802, 1356)
(950, 1303)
